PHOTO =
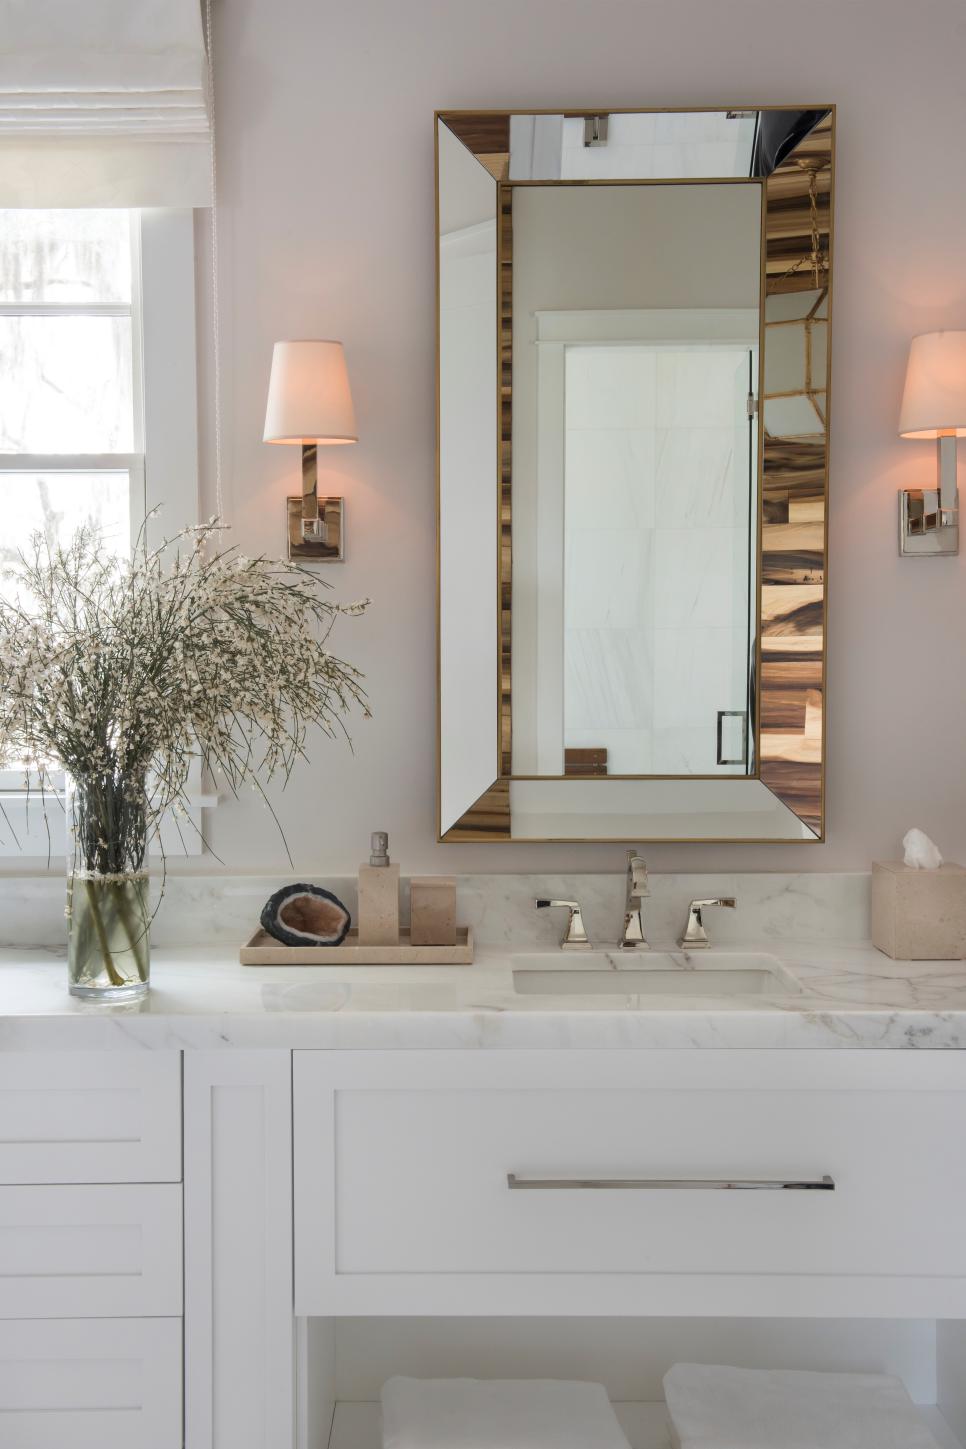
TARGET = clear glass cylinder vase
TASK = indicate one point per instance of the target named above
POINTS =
(108, 907)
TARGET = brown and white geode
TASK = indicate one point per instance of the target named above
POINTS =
(305, 915)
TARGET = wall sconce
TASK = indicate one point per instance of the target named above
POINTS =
(934, 406)
(309, 403)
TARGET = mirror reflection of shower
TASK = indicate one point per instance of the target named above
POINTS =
(658, 474)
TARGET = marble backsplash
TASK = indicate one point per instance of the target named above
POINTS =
(219, 910)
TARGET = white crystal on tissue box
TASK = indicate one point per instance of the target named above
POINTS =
(921, 853)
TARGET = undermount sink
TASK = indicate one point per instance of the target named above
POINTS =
(653, 973)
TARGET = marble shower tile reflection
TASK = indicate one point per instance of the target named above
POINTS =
(608, 579)
(694, 581)
(684, 750)
(695, 481)
(609, 479)
(694, 677)
(610, 387)
(607, 679)
(697, 389)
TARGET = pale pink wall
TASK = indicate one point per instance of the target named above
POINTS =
(326, 184)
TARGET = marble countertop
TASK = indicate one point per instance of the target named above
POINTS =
(852, 997)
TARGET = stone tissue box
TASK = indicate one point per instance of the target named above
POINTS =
(919, 915)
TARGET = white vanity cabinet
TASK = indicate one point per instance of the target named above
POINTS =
(90, 1250)
(536, 1182)
(341, 1211)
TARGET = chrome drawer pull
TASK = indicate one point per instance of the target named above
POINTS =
(706, 1184)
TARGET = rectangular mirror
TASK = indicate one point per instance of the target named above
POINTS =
(632, 469)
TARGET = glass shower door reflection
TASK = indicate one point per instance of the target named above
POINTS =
(659, 558)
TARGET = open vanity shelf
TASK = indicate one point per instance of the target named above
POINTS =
(343, 1362)
(358, 1426)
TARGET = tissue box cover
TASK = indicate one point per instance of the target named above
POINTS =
(919, 915)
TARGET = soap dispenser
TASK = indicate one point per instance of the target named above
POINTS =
(379, 895)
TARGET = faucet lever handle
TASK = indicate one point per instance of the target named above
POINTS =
(575, 936)
(695, 935)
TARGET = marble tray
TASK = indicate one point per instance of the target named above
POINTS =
(264, 950)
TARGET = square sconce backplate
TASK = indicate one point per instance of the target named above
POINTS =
(926, 529)
(330, 548)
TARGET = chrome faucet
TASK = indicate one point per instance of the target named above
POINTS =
(575, 936)
(695, 937)
(632, 935)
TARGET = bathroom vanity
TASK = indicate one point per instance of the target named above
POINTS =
(311, 1182)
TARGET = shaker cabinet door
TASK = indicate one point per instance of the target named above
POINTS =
(645, 1182)
(67, 1384)
(90, 1252)
(79, 1116)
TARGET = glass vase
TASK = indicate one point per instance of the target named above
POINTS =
(108, 908)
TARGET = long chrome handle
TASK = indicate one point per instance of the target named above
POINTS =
(676, 1184)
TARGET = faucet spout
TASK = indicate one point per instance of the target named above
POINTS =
(632, 934)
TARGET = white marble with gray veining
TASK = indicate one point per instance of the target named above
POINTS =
(852, 997)
(816, 925)
(223, 910)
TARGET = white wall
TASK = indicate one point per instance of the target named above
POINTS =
(326, 182)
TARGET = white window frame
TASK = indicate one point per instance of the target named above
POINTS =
(163, 469)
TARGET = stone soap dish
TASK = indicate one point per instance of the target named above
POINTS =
(264, 950)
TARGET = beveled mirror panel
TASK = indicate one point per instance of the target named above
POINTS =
(633, 385)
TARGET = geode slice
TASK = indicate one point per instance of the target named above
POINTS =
(306, 915)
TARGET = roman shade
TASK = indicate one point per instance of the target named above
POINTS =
(103, 103)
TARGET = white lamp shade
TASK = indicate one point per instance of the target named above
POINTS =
(308, 395)
(934, 398)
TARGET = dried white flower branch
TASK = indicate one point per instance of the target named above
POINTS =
(126, 672)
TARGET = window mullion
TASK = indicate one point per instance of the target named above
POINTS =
(137, 335)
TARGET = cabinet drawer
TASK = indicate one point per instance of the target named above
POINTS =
(90, 1117)
(402, 1168)
(63, 1386)
(90, 1252)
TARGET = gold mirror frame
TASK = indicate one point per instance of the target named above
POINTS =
(790, 729)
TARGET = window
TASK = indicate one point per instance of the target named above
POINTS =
(98, 393)
(71, 434)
